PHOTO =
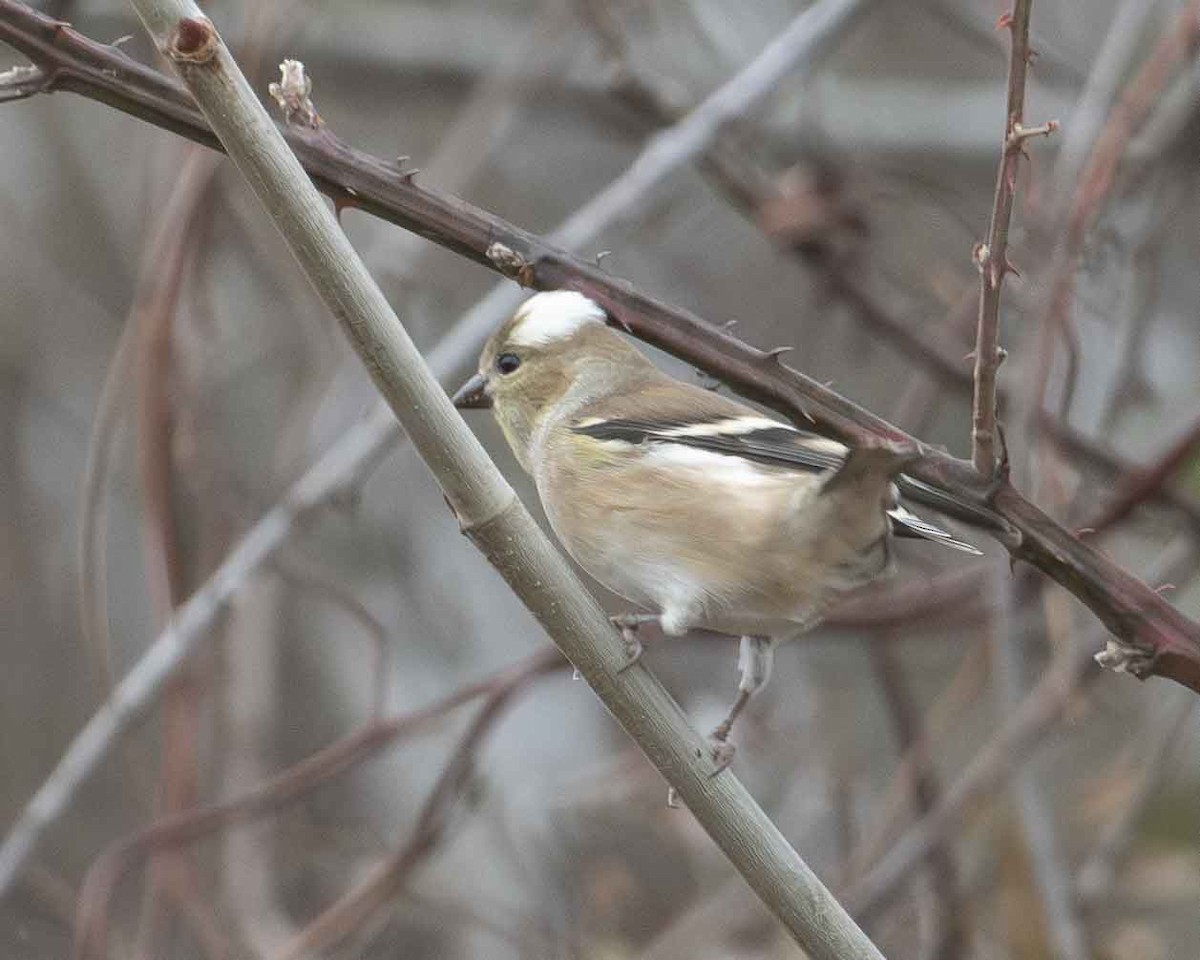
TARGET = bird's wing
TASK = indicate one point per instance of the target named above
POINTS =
(754, 438)
(763, 441)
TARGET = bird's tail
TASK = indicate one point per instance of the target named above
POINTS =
(905, 523)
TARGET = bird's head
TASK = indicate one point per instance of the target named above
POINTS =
(556, 350)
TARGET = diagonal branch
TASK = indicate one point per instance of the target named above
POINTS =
(340, 469)
(1159, 639)
(488, 510)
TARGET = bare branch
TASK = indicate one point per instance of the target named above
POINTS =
(1099, 871)
(286, 787)
(992, 256)
(1026, 727)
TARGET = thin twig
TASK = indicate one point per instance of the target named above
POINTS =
(1010, 643)
(183, 635)
(284, 788)
(1024, 729)
(1176, 47)
(949, 936)
(1099, 870)
(992, 256)
(352, 911)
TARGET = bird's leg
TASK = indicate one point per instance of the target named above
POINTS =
(628, 624)
(755, 656)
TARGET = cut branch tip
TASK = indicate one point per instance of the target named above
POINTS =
(1120, 656)
(510, 263)
(194, 40)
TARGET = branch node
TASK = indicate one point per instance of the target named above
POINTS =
(980, 254)
(510, 263)
(19, 82)
(194, 40)
(1019, 133)
(1121, 656)
(293, 94)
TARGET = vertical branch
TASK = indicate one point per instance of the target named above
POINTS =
(992, 256)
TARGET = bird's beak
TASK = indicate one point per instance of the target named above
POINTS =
(472, 395)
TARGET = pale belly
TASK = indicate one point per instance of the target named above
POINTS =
(715, 542)
(763, 582)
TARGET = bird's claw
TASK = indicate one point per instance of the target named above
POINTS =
(628, 624)
(721, 750)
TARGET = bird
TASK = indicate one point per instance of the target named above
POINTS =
(701, 511)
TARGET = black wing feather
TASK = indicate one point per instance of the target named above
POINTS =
(771, 446)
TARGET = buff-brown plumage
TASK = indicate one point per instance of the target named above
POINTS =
(691, 505)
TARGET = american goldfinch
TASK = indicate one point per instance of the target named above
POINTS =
(692, 506)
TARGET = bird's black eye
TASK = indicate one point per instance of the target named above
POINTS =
(507, 362)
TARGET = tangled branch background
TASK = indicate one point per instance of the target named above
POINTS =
(944, 749)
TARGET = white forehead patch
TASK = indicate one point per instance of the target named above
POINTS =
(554, 315)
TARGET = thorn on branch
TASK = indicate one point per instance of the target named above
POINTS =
(293, 94)
(775, 353)
(1004, 21)
(510, 263)
(120, 41)
(1121, 656)
(1018, 134)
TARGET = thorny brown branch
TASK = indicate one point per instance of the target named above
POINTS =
(805, 212)
(992, 256)
(1158, 639)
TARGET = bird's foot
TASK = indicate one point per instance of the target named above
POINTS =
(628, 624)
(720, 749)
